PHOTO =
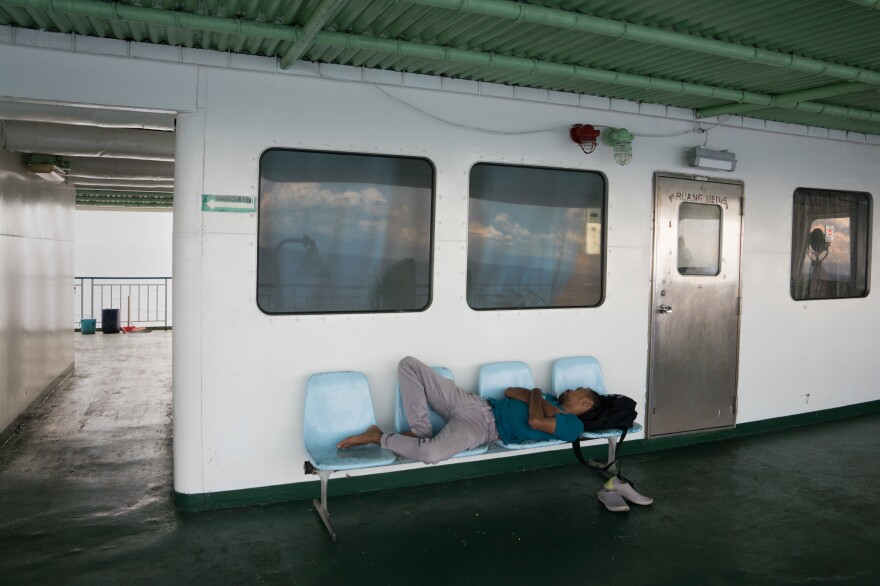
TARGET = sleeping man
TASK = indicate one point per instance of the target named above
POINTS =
(524, 414)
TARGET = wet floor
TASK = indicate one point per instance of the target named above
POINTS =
(86, 498)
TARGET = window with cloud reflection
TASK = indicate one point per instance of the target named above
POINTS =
(830, 241)
(344, 233)
(535, 237)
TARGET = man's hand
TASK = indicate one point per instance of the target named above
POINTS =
(524, 395)
(550, 410)
(537, 419)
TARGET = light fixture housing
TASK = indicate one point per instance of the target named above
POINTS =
(621, 139)
(49, 167)
(584, 135)
(710, 159)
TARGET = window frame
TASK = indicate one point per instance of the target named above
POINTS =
(431, 238)
(603, 254)
(868, 241)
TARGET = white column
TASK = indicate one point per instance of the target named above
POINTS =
(189, 173)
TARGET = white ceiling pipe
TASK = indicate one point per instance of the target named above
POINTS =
(121, 188)
(81, 116)
(83, 141)
(113, 183)
(98, 168)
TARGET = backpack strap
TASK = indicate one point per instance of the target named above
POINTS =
(576, 447)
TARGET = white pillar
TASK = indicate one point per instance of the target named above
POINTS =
(189, 174)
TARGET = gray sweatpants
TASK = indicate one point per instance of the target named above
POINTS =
(469, 419)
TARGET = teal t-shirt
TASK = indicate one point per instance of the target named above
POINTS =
(512, 421)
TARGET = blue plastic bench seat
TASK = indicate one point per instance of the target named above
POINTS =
(493, 379)
(584, 371)
(437, 423)
(338, 405)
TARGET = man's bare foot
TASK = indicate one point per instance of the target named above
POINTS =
(372, 436)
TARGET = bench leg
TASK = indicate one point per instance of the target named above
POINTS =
(321, 506)
(609, 468)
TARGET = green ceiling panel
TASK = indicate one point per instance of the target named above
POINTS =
(760, 47)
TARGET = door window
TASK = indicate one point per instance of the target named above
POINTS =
(699, 239)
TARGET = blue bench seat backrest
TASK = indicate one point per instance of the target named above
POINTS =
(338, 404)
(400, 422)
(577, 371)
(494, 378)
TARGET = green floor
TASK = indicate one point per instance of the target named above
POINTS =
(85, 498)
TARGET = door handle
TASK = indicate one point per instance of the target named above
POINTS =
(664, 309)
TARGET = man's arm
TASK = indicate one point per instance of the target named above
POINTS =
(524, 395)
(537, 418)
(518, 393)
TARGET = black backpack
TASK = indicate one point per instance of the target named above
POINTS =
(613, 412)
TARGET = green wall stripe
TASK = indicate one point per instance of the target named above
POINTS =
(340, 485)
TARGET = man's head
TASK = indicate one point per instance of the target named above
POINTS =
(578, 401)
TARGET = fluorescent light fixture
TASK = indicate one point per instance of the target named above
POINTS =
(709, 159)
(49, 167)
(49, 173)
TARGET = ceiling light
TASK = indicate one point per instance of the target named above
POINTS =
(622, 141)
(49, 167)
(709, 159)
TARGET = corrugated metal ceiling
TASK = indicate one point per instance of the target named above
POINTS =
(836, 32)
(749, 57)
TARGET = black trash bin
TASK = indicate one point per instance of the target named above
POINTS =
(110, 321)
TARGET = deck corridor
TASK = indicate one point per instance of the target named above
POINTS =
(85, 498)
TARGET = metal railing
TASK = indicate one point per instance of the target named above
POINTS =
(141, 301)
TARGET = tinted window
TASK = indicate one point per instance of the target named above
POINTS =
(344, 232)
(535, 237)
(829, 243)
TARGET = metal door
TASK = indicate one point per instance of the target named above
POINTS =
(695, 304)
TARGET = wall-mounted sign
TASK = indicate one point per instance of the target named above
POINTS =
(229, 203)
(829, 233)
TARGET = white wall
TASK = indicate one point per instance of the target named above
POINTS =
(240, 375)
(778, 357)
(36, 279)
(122, 243)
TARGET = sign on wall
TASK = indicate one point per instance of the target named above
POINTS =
(228, 203)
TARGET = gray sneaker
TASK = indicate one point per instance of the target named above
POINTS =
(613, 501)
(628, 492)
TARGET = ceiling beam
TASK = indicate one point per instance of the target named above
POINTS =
(323, 13)
(817, 93)
(116, 11)
(81, 116)
(522, 65)
(875, 4)
(88, 141)
(115, 199)
(485, 60)
(616, 29)
(505, 9)
(111, 204)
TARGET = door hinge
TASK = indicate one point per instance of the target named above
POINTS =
(739, 306)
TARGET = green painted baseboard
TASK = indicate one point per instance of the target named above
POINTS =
(434, 474)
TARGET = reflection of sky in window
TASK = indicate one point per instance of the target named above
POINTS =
(342, 216)
(544, 233)
(364, 214)
(534, 237)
